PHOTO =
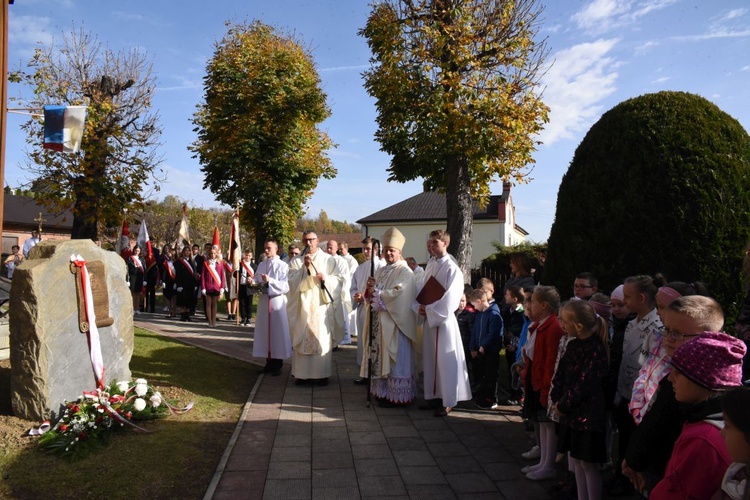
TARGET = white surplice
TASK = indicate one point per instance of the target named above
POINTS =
(272, 338)
(444, 364)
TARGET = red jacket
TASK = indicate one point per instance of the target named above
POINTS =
(698, 463)
(548, 337)
(208, 282)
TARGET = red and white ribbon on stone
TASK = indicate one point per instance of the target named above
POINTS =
(95, 348)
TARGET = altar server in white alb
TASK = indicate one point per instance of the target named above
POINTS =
(272, 339)
(445, 374)
(314, 286)
(394, 327)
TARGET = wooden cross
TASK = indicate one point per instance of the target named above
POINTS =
(40, 220)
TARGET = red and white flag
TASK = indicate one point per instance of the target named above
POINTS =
(184, 232)
(145, 243)
(216, 241)
(123, 242)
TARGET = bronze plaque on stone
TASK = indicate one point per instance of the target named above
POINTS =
(98, 279)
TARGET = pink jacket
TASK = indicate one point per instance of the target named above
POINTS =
(698, 463)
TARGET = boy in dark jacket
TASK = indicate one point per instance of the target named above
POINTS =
(486, 343)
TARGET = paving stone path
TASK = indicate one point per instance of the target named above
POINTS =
(310, 442)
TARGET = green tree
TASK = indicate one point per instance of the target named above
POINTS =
(661, 183)
(258, 139)
(119, 150)
(456, 85)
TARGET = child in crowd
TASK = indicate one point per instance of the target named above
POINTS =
(514, 325)
(654, 366)
(544, 339)
(735, 406)
(520, 368)
(577, 395)
(619, 318)
(639, 295)
(486, 342)
(465, 318)
(703, 370)
(653, 439)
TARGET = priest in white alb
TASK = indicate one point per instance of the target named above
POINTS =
(314, 285)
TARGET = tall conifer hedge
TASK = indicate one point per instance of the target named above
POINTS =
(661, 183)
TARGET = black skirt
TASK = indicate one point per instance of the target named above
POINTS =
(587, 446)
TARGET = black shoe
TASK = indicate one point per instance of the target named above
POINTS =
(442, 412)
(484, 404)
(360, 380)
(432, 404)
(322, 382)
(336, 348)
(276, 372)
(300, 381)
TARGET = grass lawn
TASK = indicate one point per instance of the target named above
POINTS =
(176, 461)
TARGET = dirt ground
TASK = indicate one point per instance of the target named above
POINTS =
(13, 431)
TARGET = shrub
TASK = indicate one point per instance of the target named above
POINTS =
(661, 183)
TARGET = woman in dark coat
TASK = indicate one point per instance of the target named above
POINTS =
(136, 277)
(186, 284)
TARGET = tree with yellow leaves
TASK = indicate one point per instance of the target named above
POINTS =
(258, 140)
(456, 84)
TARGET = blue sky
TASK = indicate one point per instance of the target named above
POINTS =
(602, 52)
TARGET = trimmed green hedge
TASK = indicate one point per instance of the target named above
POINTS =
(661, 183)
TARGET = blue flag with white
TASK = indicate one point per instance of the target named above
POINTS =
(63, 127)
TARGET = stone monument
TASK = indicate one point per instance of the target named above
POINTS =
(50, 352)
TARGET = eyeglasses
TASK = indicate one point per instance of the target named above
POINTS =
(582, 286)
(309, 239)
(677, 335)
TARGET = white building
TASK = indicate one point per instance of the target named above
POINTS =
(417, 216)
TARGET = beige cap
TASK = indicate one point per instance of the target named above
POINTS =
(393, 238)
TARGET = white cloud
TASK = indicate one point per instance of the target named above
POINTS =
(344, 68)
(29, 30)
(600, 16)
(745, 68)
(727, 24)
(643, 8)
(580, 78)
(645, 48)
(183, 83)
(661, 79)
(732, 14)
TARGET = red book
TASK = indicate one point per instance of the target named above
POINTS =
(432, 291)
